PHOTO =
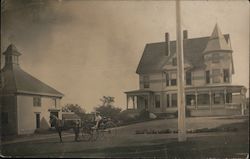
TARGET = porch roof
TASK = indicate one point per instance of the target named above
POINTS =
(139, 92)
(228, 88)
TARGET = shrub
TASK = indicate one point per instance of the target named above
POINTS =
(144, 115)
(125, 117)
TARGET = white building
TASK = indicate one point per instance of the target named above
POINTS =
(26, 102)
(208, 66)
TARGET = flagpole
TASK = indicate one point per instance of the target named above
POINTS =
(180, 76)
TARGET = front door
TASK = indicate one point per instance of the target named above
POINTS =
(37, 120)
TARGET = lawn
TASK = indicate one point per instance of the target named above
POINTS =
(125, 143)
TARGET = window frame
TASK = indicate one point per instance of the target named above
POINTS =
(173, 81)
(146, 81)
(37, 101)
(216, 74)
(207, 76)
(188, 80)
(226, 80)
(38, 122)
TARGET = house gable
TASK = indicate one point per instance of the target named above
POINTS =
(154, 58)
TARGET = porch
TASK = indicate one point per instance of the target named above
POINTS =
(139, 99)
(213, 100)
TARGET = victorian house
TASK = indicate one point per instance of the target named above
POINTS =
(208, 65)
(26, 102)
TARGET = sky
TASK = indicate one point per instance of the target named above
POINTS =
(90, 49)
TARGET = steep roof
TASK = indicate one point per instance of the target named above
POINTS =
(217, 41)
(16, 80)
(154, 58)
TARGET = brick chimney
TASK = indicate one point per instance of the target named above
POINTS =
(185, 34)
(167, 45)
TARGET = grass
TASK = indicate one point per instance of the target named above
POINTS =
(202, 147)
(209, 145)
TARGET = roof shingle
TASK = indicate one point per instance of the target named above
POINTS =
(154, 58)
(18, 81)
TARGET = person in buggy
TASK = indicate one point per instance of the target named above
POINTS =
(98, 120)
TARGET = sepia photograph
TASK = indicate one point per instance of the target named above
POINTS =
(125, 79)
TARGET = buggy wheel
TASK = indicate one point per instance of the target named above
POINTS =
(100, 134)
(86, 136)
(94, 135)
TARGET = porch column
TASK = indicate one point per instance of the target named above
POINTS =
(196, 99)
(133, 98)
(243, 100)
(225, 97)
(127, 101)
(162, 100)
(210, 100)
(149, 102)
(170, 100)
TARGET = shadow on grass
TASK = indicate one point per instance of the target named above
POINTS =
(189, 149)
(230, 145)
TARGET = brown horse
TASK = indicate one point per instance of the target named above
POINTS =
(58, 125)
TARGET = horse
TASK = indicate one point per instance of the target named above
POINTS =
(58, 125)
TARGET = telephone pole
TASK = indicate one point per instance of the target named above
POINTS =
(180, 76)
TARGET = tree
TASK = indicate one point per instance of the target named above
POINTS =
(77, 109)
(107, 109)
(107, 100)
